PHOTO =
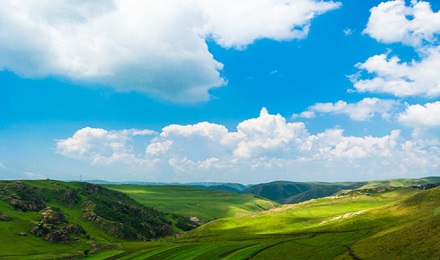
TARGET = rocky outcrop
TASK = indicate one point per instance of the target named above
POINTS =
(4, 217)
(425, 186)
(23, 198)
(18, 203)
(54, 228)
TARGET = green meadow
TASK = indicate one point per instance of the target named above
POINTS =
(207, 205)
(397, 224)
(378, 223)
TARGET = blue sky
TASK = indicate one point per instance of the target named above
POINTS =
(248, 91)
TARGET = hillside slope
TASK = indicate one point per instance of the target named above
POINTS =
(39, 217)
(393, 223)
(204, 204)
(286, 192)
(293, 192)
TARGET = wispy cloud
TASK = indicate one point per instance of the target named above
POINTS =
(347, 31)
(32, 175)
(365, 109)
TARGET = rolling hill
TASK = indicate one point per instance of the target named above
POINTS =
(375, 221)
(378, 223)
(38, 217)
(285, 192)
(205, 204)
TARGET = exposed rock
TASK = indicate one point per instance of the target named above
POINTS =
(53, 215)
(22, 234)
(59, 235)
(3, 217)
(22, 197)
(425, 186)
(53, 226)
(22, 205)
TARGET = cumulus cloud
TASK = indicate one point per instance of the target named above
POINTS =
(156, 46)
(415, 25)
(402, 79)
(239, 23)
(100, 146)
(360, 111)
(265, 145)
(421, 115)
(332, 144)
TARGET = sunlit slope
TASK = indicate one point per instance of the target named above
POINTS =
(402, 223)
(310, 216)
(413, 232)
(49, 219)
(204, 204)
(402, 182)
(286, 192)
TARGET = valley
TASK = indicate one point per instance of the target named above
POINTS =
(391, 219)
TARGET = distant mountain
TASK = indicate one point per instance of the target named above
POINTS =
(286, 192)
(234, 187)
(293, 192)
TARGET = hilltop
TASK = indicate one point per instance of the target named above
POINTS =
(286, 192)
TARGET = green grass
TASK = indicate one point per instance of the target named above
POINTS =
(205, 204)
(392, 224)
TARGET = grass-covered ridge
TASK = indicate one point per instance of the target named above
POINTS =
(378, 222)
(287, 192)
(75, 216)
(190, 201)
(340, 227)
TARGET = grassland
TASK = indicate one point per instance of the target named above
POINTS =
(394, 223)
(286, 192)
(207, 205)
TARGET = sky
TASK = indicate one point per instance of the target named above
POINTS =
(245, 91)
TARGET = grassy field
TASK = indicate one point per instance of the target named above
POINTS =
(205, 204)
(398, 223)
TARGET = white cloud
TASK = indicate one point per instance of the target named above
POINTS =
(100, 146)
(267, 134)
(402, 79)
(239, 23)
(427, 115)
(332, 144)
(264, 146)
(413, 25)
(155, 46)
(33, 176)
(2, 166)
(360, 111)
(347, 31)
